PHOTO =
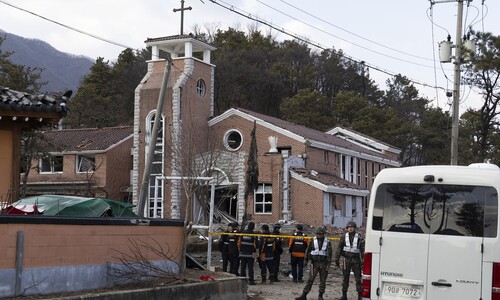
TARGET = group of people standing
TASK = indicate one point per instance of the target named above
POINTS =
(240, 251)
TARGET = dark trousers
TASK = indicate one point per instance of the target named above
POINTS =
(234, 264)
(247, 262)
(355, 266)
(266, 265)
(225, 261)
(321, 269)
(297, 267)
(277, 260)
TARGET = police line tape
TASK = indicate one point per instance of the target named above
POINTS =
(268, 235)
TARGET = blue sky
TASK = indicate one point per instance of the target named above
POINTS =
(396, 36)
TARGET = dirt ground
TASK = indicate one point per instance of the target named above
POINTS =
(286, 288)
(289, 290)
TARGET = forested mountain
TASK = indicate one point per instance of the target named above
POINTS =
(62, 71)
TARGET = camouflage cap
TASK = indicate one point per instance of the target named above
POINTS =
(320, 230)
(351, 224)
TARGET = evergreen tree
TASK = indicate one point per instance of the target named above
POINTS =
(127, 73)
(347, 107)
(92, 104)
(483, 73)
(307, 108)
(252, 170)
(106, 96)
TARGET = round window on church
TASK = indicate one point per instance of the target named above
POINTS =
(233, 139)
(201, 88)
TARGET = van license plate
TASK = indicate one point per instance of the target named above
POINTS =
(398, 290)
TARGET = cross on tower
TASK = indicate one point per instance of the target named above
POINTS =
(182, 9)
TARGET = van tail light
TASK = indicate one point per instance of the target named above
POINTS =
(495, 288)
(367, 276)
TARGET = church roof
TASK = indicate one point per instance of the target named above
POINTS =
(312, 137)
(170, 42)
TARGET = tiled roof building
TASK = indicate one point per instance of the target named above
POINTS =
(94, 162)
(20, 111)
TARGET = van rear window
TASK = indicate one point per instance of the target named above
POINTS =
(436, 209)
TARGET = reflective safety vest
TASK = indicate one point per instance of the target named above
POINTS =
(247, 245)
(267, 248)
(347, 245)
(323, 249)
(298, 245)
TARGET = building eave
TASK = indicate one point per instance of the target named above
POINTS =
(329, 188)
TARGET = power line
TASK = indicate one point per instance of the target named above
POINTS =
(434, 57)
(349, 32)
(234, 10)
(66, 26)
(86, 33)
(250, 16)
(330, 34)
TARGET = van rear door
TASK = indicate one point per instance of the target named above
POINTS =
(398, 213)
(454, 268)
(456, 239)
(431, 240)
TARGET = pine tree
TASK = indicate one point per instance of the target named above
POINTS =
(252, 171)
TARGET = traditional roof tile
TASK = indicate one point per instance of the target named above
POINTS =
(11, 100)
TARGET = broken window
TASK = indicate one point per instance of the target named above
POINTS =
(86, 163)
(263, 203)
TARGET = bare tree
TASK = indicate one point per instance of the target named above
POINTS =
(137, 266)
(34, 146)
(194, 163)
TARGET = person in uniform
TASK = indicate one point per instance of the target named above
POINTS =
(247, 246)
(297, 247)
(267, 247)
(277, 251)
(351, 247)
(319, 252)
(224, 247)
(233, 253)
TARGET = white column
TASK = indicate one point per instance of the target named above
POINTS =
(155, 53)
(206, 56)
(188, 49)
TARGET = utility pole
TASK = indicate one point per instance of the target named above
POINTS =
(456, 86)
(445, 57)
(144, 191)
(182, 9)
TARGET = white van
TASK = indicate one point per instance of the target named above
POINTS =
(432, 233)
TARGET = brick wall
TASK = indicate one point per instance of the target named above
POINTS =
(307, 203)
(262, 134)
(118, 166)
(195, 112)
(81, 248)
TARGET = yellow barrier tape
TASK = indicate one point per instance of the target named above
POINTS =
(266, 235)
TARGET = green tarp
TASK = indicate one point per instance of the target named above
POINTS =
(73, 206)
